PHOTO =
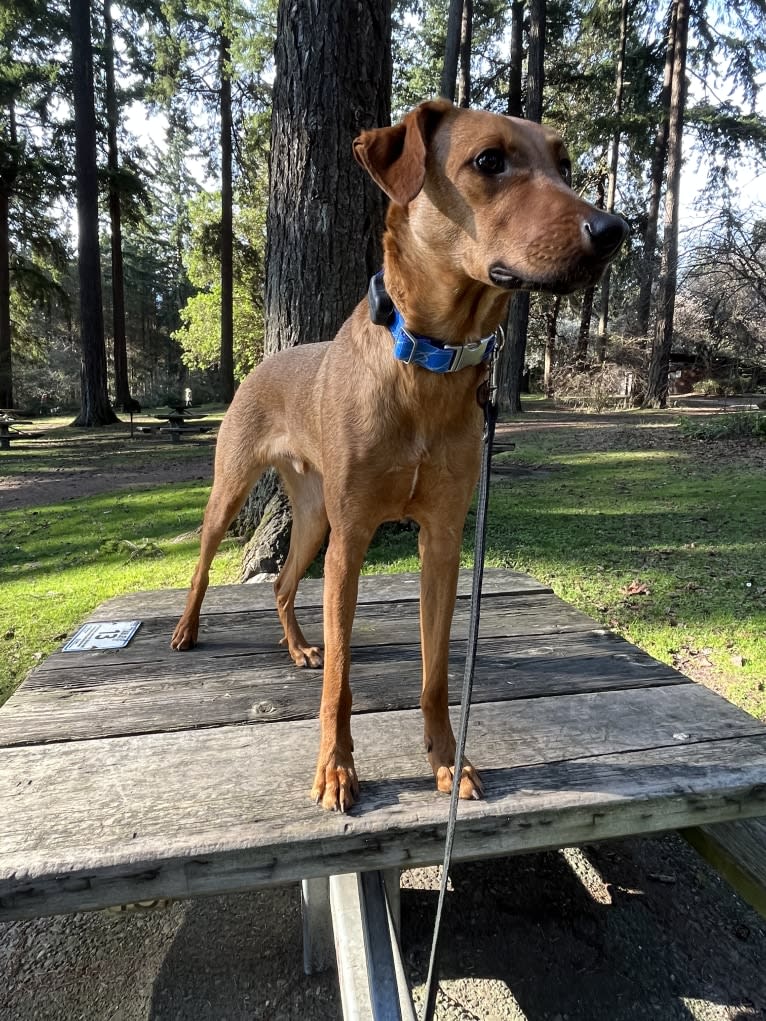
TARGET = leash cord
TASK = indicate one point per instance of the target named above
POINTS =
(490, 418)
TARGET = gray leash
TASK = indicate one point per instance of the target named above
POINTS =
(490, 419)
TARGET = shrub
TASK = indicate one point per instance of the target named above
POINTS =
(737, 425)
(708, 388)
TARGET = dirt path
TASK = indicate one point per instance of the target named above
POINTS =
(76, 469)
(638, 930)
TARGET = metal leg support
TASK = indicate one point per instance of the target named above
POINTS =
(359, 912)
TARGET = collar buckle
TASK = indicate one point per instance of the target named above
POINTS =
(472, 353)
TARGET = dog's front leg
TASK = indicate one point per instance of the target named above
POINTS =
(336, 784)
(440, 562)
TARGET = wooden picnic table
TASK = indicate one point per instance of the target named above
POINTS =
(179, 419)
(8, 423)
(143, 773)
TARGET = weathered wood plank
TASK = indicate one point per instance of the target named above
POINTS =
(372, 588)
(738, 851)
(92, 823)
(568, 653)
(259, 632)
(141, 698)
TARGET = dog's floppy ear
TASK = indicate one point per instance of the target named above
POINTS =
(395, 158)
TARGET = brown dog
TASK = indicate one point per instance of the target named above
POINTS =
(480, 205)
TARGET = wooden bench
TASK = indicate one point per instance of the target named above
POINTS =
(176, 432)
(142, 773)
(9, 430)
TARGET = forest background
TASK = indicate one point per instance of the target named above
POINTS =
(180, 94)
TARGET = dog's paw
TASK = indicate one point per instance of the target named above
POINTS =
(471, 787)
(307, 656)
(336, 786)
(184, 636)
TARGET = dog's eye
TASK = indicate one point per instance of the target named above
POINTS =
(565, 169)
(491, 161)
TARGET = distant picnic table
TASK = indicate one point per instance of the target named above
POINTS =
(9, 429)
(180, 419)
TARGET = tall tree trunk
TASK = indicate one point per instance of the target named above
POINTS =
(614, 159)
(517, 58)
(536, 60)
(8, 171)
(95, 409)
(586, 309)
(121, 385)
(6, 367)
(512, 359)
(659, 158)
(657, 388)
(551, 330)
(226, 363)
(333, 80)
(464, 78)
(451, 51)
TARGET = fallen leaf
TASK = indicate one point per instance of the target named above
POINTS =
(636, 588)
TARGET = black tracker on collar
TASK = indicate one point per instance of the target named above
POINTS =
(381, 305)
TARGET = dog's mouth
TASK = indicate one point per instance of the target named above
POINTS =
(582, 276)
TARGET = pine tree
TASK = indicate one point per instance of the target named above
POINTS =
(333, 80)
(95, 409)
(657, 389)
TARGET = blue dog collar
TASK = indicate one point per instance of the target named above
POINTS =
(414, 349)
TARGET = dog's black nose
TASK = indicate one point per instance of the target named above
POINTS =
(605, 232)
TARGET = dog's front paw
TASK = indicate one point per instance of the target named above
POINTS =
(185, 634)
(336, 784)
(471, 787)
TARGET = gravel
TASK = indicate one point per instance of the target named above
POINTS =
(627, 931)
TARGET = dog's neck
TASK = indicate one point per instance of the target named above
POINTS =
(436, 300)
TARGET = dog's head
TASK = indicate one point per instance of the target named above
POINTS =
(495, 194)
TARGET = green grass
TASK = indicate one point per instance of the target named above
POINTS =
(59, 562)
(692, 534)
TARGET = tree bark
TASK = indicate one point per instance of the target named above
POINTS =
(448, 82)
(226, 362)
(614, 159)
(511, 369)
(586, 310)
(95, 409)
(657, 388)
(8, 172)
(6, 367)
(119, 342)
(659, 158)
(536, 60)
(517, 58)
(464, 79)
(333, 80)
(325, 217)
(551, 331)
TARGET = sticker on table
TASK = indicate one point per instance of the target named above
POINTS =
(102, 634)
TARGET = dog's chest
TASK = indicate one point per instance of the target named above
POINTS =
(427, 465)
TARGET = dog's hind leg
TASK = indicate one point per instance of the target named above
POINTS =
(230, 490)
(309, 530)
